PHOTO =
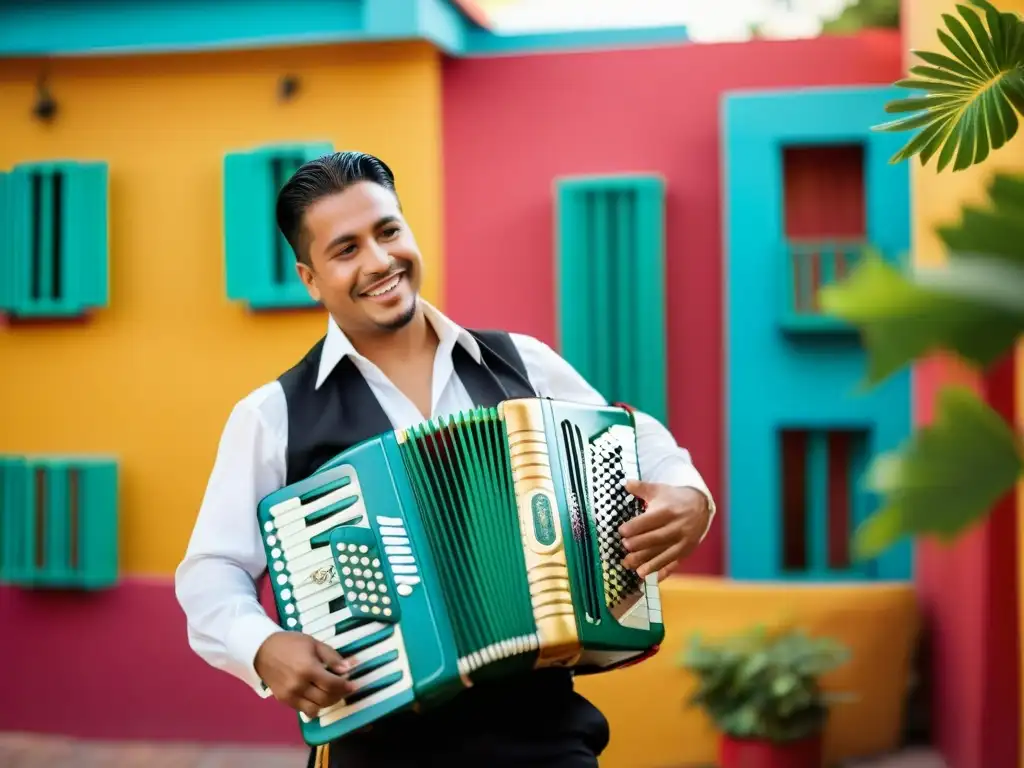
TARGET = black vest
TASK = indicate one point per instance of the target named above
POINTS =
(344, 411)
(488, 722)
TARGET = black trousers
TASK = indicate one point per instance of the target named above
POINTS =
(538, 722)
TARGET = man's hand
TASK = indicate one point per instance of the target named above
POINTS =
(302, 672)
(668, 531)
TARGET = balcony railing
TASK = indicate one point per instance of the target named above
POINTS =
(809, 266)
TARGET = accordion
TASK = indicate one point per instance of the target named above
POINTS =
(467, 548)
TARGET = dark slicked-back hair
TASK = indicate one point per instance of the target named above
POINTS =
(318, 178)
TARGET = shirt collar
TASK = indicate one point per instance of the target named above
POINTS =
(337, 345)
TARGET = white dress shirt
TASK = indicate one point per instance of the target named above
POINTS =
(215, 583)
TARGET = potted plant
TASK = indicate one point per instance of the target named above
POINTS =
(763, 692)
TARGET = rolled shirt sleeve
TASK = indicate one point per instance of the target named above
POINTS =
(215, 583)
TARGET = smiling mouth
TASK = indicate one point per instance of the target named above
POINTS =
(384, 287)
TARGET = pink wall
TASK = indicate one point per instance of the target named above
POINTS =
(116, 665)
(970, 597)
(511, 125)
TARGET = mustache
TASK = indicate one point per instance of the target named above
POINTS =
(397, 267)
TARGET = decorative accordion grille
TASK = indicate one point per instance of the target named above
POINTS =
(462, 479)
(611, 292)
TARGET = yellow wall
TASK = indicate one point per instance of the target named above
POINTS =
(152, 379)
(651, 724)
(938, 199)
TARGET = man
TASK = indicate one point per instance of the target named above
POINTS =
(390, 360)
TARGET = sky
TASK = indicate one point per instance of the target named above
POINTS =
(706, 20)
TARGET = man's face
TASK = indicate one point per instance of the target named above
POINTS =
(365, 262)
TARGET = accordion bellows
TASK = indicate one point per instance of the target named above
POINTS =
(467, 548)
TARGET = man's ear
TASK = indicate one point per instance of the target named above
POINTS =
(306, 275)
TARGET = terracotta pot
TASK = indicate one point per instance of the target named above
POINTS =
(743, 753)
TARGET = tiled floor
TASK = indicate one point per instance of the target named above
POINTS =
(22, 751)
(25, 751)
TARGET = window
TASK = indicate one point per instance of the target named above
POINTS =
(58, 522)
(820, 501)
(611, 295)
(824, 227)
(259, 263)
(53, 255)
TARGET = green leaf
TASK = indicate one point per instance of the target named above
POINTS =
(968, 307)
(996, 231)
(765, 685)
(946, 479)
(972, 93)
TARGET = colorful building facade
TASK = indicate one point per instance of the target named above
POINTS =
(970, 591)
(521, 180)
(673, 155)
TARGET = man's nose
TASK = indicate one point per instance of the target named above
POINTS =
(380, 258)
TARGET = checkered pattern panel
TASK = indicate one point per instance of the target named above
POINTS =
(612, 507)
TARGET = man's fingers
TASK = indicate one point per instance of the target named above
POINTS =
(317, 695)
(331, 658)
(309, 708)
(333, 684)
(641, 489)
(661, 536)
(666, 558)
(654, 518)
(667, 571)
(634, 560)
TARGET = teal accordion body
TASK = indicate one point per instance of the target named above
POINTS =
(467, 548)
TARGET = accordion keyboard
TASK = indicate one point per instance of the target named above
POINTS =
(611, 465)
(331, 585)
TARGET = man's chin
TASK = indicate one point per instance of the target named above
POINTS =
(400, 318)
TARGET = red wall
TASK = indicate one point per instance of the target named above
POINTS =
(116, 665)
(970, 598)
(511, 125)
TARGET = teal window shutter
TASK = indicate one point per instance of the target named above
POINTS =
(611, 286)
(58, 522)
(259, 263)
(823, 500)
(7, 292)
(55, 261)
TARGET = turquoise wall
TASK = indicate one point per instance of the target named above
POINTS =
(800, 375)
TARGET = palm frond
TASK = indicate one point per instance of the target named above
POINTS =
(972, 96)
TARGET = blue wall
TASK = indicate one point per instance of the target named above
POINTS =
(778, 378)
(76, 27)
